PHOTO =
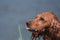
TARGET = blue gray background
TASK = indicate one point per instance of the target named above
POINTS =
(15, 12)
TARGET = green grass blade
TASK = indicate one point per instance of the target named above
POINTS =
(20, 34)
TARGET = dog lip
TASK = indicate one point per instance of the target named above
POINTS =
(27, 28)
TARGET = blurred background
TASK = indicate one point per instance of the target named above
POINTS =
(16, 12)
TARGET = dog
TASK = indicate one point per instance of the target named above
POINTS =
(46, 24)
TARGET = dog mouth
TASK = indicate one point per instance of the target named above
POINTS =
(32, 30)
(29, 28)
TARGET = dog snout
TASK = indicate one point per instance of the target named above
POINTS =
(28, 24)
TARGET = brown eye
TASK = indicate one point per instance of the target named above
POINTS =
(41, 19)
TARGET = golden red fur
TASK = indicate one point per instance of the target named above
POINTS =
(47, 24)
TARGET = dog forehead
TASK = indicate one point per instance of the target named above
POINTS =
(46, 14)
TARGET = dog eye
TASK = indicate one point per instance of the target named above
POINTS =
(41, 19)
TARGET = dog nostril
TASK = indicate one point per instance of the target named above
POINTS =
(27, 24)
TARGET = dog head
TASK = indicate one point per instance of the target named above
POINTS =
(41, 21)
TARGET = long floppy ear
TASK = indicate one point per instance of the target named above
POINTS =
(55, 24)
(54, 19)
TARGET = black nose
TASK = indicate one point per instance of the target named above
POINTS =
(27, 23)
